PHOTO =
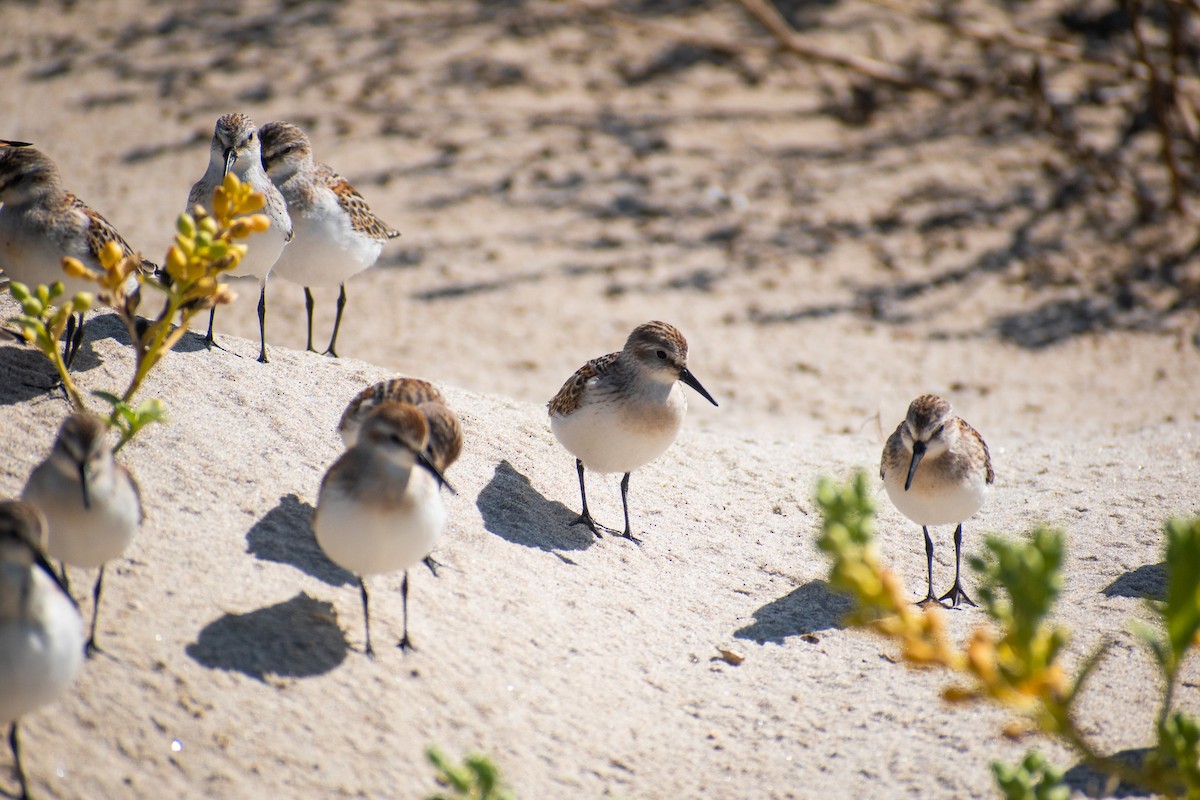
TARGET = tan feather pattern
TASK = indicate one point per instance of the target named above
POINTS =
(362, 218)
(570, 396)
(445, 429)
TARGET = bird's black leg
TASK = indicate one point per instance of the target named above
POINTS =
(72, 338)
(362, 588)
(585, 517)
(405, 643)
(308, 306)
(956, 595)
(62, 573)
(14, 744)
(628, 534)
(930, 597)
(337, 321)
(91, 648)
(262, 323)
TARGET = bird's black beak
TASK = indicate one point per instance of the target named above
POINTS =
(918, 454)
(83, 482)
(230, 159)
(687, 377)
(441, 479)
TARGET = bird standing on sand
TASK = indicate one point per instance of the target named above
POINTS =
(623, 410)
(41, 633)
(937, 470)
(235, 148)
(337, 234)
(379, 509)
(41, 223)
(91, 503)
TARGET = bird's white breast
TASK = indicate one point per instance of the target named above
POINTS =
(39, 654)
(619, 433)
(368, 538)
(84, 537)
(326, 250)
(933, 499)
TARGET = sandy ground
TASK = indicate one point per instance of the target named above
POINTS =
(558, 183)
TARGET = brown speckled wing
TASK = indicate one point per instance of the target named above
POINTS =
(967, 430)
(100, 231)
(362, 218)
(413, 391)
(569, 397)
(893, 452)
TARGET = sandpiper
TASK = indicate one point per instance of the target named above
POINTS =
(337, 234)
(623, 410)
(235, 148)
(41, 223)
(379, 509)
(41, 633)
(937, 471)
(91, 503)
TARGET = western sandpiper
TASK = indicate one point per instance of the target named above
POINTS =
(41, 223)
(41, 633)
(445, 430)
(937, 470)
(337, 234)
(235, 148)
(621, 411)
(379, 508)
(91, 503)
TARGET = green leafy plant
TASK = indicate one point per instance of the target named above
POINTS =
(477, 778)
(205, 247)
(1013, 662)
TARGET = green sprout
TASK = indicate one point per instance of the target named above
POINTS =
(477, 778)
(205, 248)
(1014, 661)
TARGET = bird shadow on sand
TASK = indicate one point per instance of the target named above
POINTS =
(513, 510)
(806, 609)
(285, 535)
(1090, 782)
(298, 638)
(1148, 580)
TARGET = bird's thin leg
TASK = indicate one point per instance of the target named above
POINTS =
(14, 744)
(262, 323)
(930, 597)
(585, 517)
(405, 643)
(91, 648)
(72, 338)
(628, 534)
(362, 588)
(308, 306)
(337, 321)
(956, 595)
(62, 573)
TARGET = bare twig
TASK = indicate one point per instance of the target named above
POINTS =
(785, 37)
(774, 22)
(1161, 95)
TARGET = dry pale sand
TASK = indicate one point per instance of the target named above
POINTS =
(559, 181)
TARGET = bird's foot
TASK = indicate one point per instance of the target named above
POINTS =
(369, 651)
(956, 596)
(331, 353)
(406, 645)
(629, 535)
(210, 343)
(586, 519)
(433, 565)
(90, 648)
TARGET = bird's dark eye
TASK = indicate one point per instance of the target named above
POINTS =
(395, 439)
(662, 354)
